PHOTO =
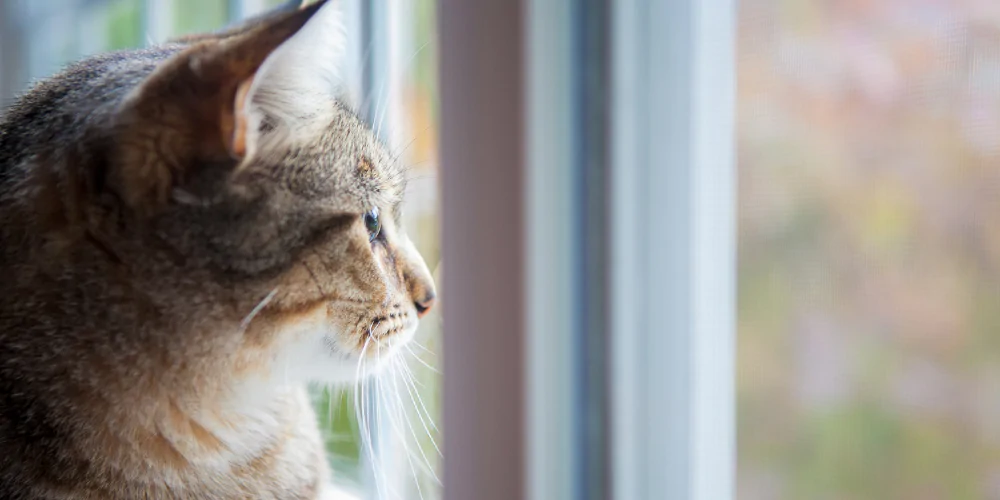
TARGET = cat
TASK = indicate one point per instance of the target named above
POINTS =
(189, 234)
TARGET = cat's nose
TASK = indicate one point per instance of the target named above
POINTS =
(424, 303)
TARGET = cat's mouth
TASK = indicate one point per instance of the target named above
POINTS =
(391, 324)
(389, 330)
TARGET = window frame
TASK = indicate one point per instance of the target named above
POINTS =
(670, 207)
(674, 250)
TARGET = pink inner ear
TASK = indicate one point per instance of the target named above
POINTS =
(237, 140)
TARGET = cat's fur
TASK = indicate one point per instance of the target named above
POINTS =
(183, 247)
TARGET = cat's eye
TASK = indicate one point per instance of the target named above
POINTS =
(373, 224)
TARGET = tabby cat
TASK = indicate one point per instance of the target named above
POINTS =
(190, 233)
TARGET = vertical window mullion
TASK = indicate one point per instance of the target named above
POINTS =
(713, 331)
(554, 457)
(482, 75)
(157, 20)
(673, 253)
(591, 174)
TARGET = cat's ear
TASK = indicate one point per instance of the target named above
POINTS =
(203, 108)
(297, 82)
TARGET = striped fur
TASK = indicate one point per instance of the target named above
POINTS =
(183, 247)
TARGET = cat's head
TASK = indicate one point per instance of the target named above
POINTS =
(242, 164)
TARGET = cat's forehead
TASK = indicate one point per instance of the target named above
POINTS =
(340, 161)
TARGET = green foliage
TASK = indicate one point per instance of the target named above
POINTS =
(199, 16)
(124, 24)
(335, 413)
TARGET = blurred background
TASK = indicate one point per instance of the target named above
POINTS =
(869, 257)
(391, 77)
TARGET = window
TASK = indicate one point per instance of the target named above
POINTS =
(588, 230)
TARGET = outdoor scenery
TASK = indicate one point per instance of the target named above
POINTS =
(869, 257)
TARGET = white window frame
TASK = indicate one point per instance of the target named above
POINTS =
(509, 379)
(675, 249)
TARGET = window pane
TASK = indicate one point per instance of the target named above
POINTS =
(869, 265)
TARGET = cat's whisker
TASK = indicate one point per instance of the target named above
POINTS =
(359, 405)
(364, 63)
(414, 380)
(392, 417)
(359, 409)
(427, 462)
(408, 144)
(421, 361)
(411, 379)
(383, 103)
(398, 370)
(402, 69)
(329, 403)
(425, 177)
(410, 457)
(399, 414)
(245, 322)
(380, 477)
(423, 348)
(359, 412)
(379, 401)
(416, 398)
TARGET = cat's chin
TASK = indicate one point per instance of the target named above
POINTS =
(323, 356)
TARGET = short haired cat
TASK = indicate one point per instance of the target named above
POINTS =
(188, 234)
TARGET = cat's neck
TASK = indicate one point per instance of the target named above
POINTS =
(184, 443)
